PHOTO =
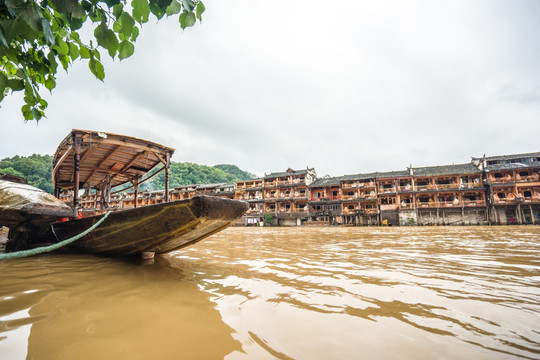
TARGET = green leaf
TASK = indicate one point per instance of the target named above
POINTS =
(111, 42)
(128, 23)
(61, 47)
(200, 10)
(85, 53)
(32, 15)
(118, 10)
(156, 10)
(76, 24)
(70, 8)
(48, 34)
(163, 4)
(187, 19)
(16, 84)
(134, 33)
(141, 10)
(111, 3)
(50, 83)
(96, 68)
(3, 40)
(125, 49)
(189, 5)
(73, 51)
(99, 33)
(174, 8)
(18, 28)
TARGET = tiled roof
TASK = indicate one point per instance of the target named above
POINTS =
(510, 157)
(288, 173)
(329, 181)
(360, 176)
(513, 166)
(454, 169)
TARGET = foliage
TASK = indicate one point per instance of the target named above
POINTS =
(38, 36)
(236, 171)
(189, 173)
(268, 218)
(36, 169)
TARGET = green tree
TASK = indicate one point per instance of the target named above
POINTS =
(38, 36)
(236, 171)
(189, 173)
(36, 169)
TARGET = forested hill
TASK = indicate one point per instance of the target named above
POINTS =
(37, 170)
(189, 173)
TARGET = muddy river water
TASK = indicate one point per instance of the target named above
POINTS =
(285, 293)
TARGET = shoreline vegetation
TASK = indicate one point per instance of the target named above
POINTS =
(36, 169)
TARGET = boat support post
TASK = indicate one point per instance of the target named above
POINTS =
(76, 172)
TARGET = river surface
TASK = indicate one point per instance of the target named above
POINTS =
(285, 293)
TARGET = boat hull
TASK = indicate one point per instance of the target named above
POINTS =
(158, 228)
(25, 204)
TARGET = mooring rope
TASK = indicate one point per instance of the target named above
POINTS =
(49, 248)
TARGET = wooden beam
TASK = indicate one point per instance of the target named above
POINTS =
(62, 159)
(168, 160)
(76, 173)
(98, 167)
(133, 146)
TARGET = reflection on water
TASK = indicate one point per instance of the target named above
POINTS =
(286, 293)
(85, 307)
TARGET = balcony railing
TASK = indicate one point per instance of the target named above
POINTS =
(503, 180)
(389, 207)
(447, 186)
(387, 190)
(406, 206)
(326, 198)
(467, 202)
(357, 185)
(529, 178)
(449, 204)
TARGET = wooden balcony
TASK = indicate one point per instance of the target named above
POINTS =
(447, 186)
(443, 204)
(327, 198)
(389, 207)
(406, 206)
(474, 202)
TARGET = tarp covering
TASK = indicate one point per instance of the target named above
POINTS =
(21, 203)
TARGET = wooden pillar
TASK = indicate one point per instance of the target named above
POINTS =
(168, 160)
(532, 214)
(136, 194)
(76, 173)
(519, 217)
(57, 192)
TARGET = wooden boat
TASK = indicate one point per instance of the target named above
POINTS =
(21, 203)
(97, 162)
(159, 228)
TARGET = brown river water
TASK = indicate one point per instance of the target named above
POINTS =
(285, 293)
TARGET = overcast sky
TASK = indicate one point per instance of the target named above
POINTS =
(345, 87)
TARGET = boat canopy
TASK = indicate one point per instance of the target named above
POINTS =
(94, 159)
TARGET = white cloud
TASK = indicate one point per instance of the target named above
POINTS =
(348, 87)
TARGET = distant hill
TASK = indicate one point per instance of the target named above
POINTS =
(36, 169)
(187, 173)
(236, 171)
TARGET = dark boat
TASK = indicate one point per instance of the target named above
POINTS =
(159, 228)
(21, 203)
(97, 162)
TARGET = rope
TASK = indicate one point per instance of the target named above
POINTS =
(44, 249)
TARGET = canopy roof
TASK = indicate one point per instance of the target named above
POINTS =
(105, 157)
